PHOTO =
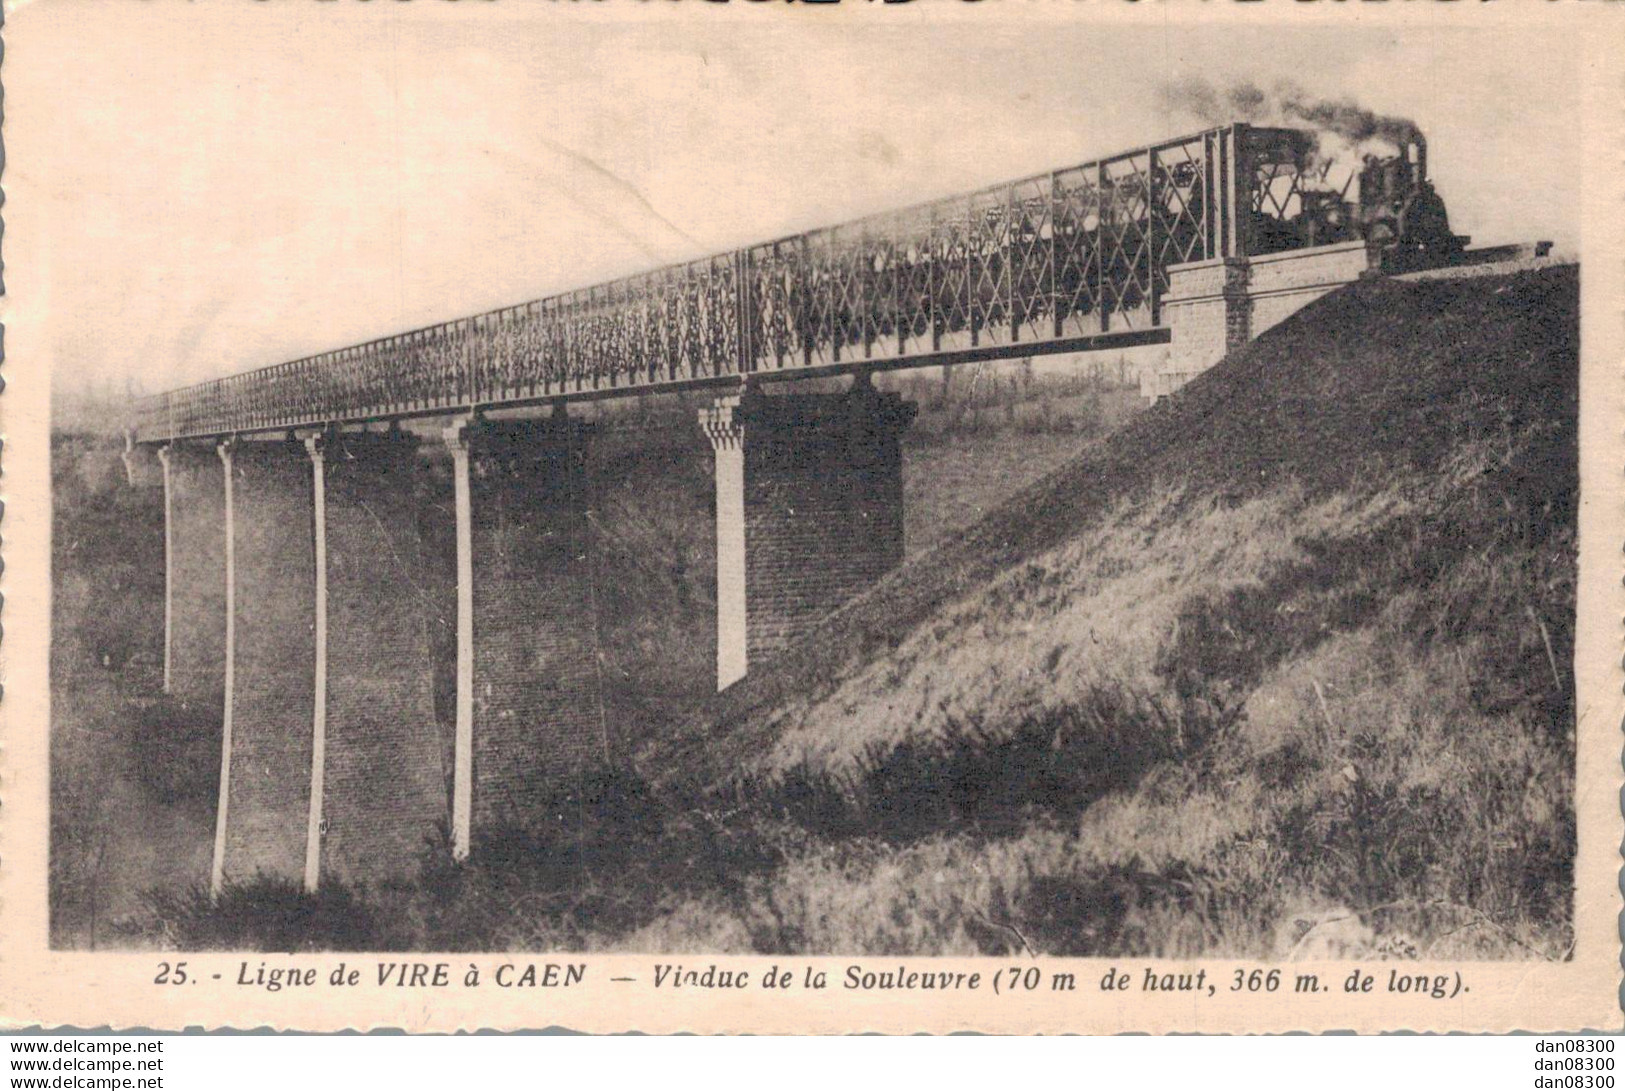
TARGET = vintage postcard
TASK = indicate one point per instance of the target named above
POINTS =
(812, 517)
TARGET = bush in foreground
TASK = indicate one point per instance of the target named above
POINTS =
(268, 914)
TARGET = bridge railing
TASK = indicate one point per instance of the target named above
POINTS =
(1048, 261)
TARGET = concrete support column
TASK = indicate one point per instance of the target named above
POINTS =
(217, 869)
(462, 794)
(169, 571)
(809, 511)
(316, 447)
(727, 436)
(271, 672)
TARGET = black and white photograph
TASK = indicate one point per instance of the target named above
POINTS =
(950, 489)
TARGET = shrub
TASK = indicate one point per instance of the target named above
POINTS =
(606, 858)
(984, 781)
(266, 914)
(1102, 912)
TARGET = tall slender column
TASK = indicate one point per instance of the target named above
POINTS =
(318, 746)
(129, 457)
(169, 571)
(462, 789)
(727, 436)
(217, 871)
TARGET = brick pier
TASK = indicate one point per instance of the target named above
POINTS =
(809, 511)
(270, 685)
(530, 714)
(195, 592)
(1214, 307)
(385, 783)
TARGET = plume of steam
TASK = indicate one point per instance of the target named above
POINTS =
(1286, 104)
(1347, 118)
(1345, 132)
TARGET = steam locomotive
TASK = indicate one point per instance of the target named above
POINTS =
(1394, 209)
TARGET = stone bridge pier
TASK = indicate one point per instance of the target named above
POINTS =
(381, 763)
(530, 713)
(1216, 306)
(809, 511)
(195, 574)
(333, 761)
(265, 770)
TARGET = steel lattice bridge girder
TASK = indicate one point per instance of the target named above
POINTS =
(1068, 261)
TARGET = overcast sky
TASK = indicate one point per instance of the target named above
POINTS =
(194, 190)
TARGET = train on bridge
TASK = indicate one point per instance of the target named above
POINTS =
(1075, 259)
(284, 561)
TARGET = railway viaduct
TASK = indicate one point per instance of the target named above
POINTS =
(295, 535)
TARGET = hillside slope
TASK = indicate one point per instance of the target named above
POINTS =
(1291, 648)
(1376, 400)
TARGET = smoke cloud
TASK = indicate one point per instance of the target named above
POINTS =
(1345, 132)
(1287, 104)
